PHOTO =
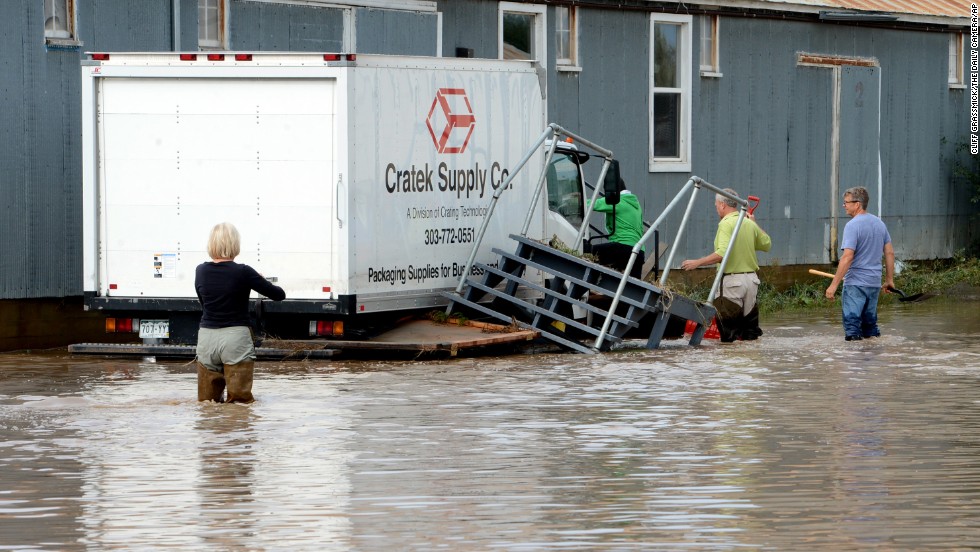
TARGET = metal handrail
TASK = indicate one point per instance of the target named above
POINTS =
(699, 183)
(537, 189)
(695, 183)
(550, 131)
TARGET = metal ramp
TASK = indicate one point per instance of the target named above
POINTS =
(572, 282)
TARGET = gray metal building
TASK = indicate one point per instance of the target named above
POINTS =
(792, 102)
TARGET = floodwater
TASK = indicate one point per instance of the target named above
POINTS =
(799, 441)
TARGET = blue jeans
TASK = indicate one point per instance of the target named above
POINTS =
(860, 311)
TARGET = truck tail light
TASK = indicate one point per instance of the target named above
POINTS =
(326, 328)
(243, 57)
(331, 57)
(216, 57)
(351, 57)
(122, 325)
(100, 57)
(188, 57)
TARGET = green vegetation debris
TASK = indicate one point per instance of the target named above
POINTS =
(808, 293)
(441, 317)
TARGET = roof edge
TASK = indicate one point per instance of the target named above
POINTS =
(789, 7)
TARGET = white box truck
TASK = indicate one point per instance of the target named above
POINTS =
(358, 182)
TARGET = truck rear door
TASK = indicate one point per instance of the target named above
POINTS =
(179, 155)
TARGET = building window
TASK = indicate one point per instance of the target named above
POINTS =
(956, 59)
(710, 66)
(566, 36)
(522, 31)
(670, 93)
(59, 19)
(211, 24)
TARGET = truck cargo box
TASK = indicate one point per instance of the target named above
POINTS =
(358, 183)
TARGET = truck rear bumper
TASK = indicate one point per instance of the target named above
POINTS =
(341, 306)
(189, 351)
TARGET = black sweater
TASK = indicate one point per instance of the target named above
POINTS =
(223, 290)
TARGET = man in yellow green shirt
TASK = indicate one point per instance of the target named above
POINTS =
(738, 313)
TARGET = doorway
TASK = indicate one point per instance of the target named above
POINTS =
(855, 139)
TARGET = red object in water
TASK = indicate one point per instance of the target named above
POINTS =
(710, 333)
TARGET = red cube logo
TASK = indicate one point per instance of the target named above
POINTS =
(450, 120)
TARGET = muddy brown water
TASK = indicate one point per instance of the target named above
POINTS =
(797, 442)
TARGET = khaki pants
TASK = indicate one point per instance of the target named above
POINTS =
(741, 289)
(218, 347)
(225, 357)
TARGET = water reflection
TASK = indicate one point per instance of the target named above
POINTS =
(799, 441)
(226, 474)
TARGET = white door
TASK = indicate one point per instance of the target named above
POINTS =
(181, 155)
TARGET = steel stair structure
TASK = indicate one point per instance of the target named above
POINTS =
(502, 291)
(573, 285)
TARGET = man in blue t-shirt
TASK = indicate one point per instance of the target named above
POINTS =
(865, 240)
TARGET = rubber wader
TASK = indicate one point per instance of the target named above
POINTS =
(732, 324)
(752, 329)
(239, 379)
(729, 319)
(210, 385)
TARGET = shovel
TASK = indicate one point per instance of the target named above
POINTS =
(915, 297)
(903, 297)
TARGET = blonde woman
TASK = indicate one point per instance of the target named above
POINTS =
(225, 352)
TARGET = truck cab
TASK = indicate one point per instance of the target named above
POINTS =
(566, 192)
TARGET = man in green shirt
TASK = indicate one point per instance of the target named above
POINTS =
(738, 314)
(625, 229)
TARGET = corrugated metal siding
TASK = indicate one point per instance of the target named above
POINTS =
(610, 99)
(764, 128)
(40, 241)
(914, 95)
(14, 17)
(753, 132)
(114, 26)
(778, 125)
(397, 32)
(300, 28)
(469, 24)
(607, 102)
(282, 27)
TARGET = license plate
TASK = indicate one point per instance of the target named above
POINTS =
(155, 329)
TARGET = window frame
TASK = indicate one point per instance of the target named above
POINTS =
(221, 43)
(956, 75)
(60, 36)
(713, 24)
(538, 12)
(681, 163)
(570, 63)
